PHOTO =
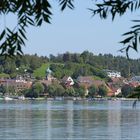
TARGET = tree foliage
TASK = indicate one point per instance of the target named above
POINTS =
(34, 65)
(102, 90)
(120, 7)
(36, 12)
(126, 90)
(28, 13)
(135, 93)
(92, 91)
(35, 91)
(70, 91)
(55, 90)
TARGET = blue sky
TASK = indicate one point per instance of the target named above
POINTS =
(76, 31)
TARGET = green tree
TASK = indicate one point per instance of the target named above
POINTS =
(35, 62)
(126, 90)
(80, 91)
(55, 90)
(66, 57)
(92, 91)
(102, 90)
(135, 93)
(28, 93)
(3, 89)
(51, 90)
(37, 89)
(70, 91)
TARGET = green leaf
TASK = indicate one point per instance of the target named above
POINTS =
(2, 35)
(128, 33)
(134, 45)
(22, 33)
(39, 23)
(65, 3)
(126, 40)
(136, 26)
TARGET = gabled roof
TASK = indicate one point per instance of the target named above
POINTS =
(85, 79)
(89, 81)
(65, 78)
(99, 82)
(134, 84)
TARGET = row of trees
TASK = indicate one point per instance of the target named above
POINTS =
(108, 61)
(18, 65)
(57, 90)
(38, 90)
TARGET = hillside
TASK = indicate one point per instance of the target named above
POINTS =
(72, 64)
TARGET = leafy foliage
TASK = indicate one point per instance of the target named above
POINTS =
(66, 3)
(55, 90)
(36, 66)
(120, 7)
(70, 92)
(37, 12)
(29, 13)
(127, 90)
(34, 92)
(135, 93)
(102, 90)
(92, 91)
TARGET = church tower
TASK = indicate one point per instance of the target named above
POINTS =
(48, 74)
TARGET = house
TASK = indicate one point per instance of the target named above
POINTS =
(114, 91)
(88, 81)
(135, 79)
(113, 74)
(17, 84)
(85, 81)
(134, 84)
(67, 81)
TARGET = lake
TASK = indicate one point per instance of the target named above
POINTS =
(69, 120)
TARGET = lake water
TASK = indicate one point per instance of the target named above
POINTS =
(69, 120)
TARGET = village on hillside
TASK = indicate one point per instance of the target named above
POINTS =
(83, 86)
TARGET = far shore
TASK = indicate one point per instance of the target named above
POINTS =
(71, 98)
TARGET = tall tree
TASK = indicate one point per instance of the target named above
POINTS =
(37, 89)
(102, 90)
(92, 91)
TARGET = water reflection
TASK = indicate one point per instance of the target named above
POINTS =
(49, 119)
(107, 120)
(114, 120)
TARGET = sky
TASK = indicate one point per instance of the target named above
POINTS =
(76, 31)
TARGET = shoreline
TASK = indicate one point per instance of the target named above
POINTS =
(68, 98)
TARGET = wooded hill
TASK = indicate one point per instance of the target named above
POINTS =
(70, 64)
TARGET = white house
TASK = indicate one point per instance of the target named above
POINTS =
(68, 81)
(117, 92)
(113, 74)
